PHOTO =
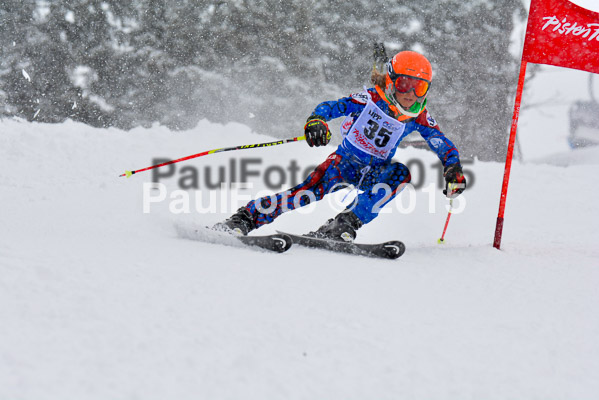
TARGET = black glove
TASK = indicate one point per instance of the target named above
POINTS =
(455, 181)
(317, 131)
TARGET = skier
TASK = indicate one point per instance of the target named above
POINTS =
(377, 119)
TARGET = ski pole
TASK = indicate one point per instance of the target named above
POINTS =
(205, 153)
(442, 239)
(380, 55)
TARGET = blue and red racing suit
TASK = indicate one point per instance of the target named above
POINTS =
(363, 159)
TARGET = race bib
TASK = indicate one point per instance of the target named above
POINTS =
(374, 132)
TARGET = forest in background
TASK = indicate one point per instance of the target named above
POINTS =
(263, 63)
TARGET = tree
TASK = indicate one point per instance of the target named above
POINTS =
(264, 63)
(475, 75)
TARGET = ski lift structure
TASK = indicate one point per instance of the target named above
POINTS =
(584, 121)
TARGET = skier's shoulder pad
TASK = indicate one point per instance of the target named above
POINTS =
(363, 96)
(426, 119)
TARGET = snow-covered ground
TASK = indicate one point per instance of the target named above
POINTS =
(101, 300)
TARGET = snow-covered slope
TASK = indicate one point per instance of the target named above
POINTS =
(101, 300)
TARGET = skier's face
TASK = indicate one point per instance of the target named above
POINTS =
(406, 100)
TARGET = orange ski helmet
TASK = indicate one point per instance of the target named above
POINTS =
(407, 71)
(409, 64)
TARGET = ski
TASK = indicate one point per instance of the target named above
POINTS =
(391, 250)
(278, 242)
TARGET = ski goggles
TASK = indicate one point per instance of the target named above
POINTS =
(405, 84)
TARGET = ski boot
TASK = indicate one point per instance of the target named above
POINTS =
(241, 223)
(341, 228)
